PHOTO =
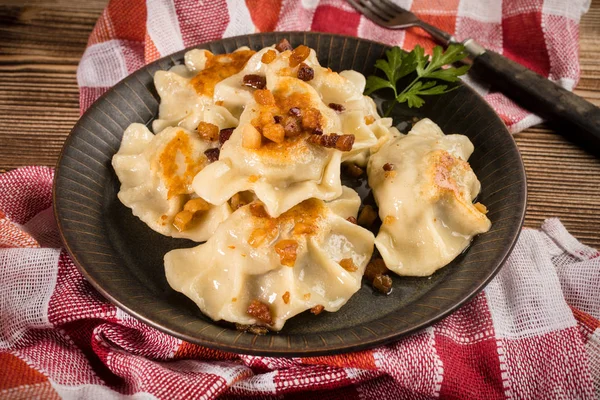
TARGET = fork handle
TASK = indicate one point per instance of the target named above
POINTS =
(539, 95)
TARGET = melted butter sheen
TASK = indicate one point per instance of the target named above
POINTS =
(218, 68)
(178, 183)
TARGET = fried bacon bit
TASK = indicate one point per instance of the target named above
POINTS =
(305, 73)
(354, 170)
(283, 45)
(286, 298)
(287, 252)
(269, 56)
(212, 154)
(295, 111)
(291, 127)
(258, 210)
(352, 219)
(383, 283)
(316, 310)
(261, 236)
(265, 117)
(260, 311)
(254, 81)
(375, 267)
(225, 134)
(219, 102)
(333, 140)
(348, 265)
(367, 216)
(264, 97)
(255, 329)
(389, 220)
(253, 178)
(208, 131)
(337, 107)
(481, 208)
(344, 142)
(388, 167)
(299, 54)
(317, 131)
(369, 119)
(196, 205)
(258, 237)
(311, 118)
(274, 132)
(182, 219)
(376, 273)
(251, 137)
(304, 229)
(277, 119)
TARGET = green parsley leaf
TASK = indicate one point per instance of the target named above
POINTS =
(421, 59)
(413, 97)
(449, 74)
(375, 83)
(454, 53)
(409, 64)
(429, 70)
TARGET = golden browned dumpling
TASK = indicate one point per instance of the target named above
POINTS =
(425, 189)
(258, 270)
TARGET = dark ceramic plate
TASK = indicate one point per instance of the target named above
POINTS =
(122, 258)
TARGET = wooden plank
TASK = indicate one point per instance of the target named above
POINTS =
(43, 40)
(562, 179)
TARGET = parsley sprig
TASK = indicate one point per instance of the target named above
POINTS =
(429, 71)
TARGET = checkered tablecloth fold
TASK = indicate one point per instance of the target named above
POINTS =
(540, 34)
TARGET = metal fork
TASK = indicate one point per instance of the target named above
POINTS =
(522, 85)
(392, 16)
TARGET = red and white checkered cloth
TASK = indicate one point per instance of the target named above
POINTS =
(533, 333)
(540, 34)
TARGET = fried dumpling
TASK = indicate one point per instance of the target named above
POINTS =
(258, 270)
(281, 173)
(425, 189)
(343, 92)
(291, 157)
(187, 91)
(156, 173)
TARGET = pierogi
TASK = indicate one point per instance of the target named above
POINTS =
(425, 189)
(310, 257)
(156, 173)
(283, 171)
(247, 155)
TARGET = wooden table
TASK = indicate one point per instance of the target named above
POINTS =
(41, 42)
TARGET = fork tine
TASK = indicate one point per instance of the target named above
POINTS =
(384, 8)
(375, 9)
(368, 12)
(393, 6)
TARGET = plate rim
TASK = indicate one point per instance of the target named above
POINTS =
(363, 343)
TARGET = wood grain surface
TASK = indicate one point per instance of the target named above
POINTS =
(41, 42)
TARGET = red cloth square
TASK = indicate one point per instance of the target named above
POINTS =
(334, 19)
